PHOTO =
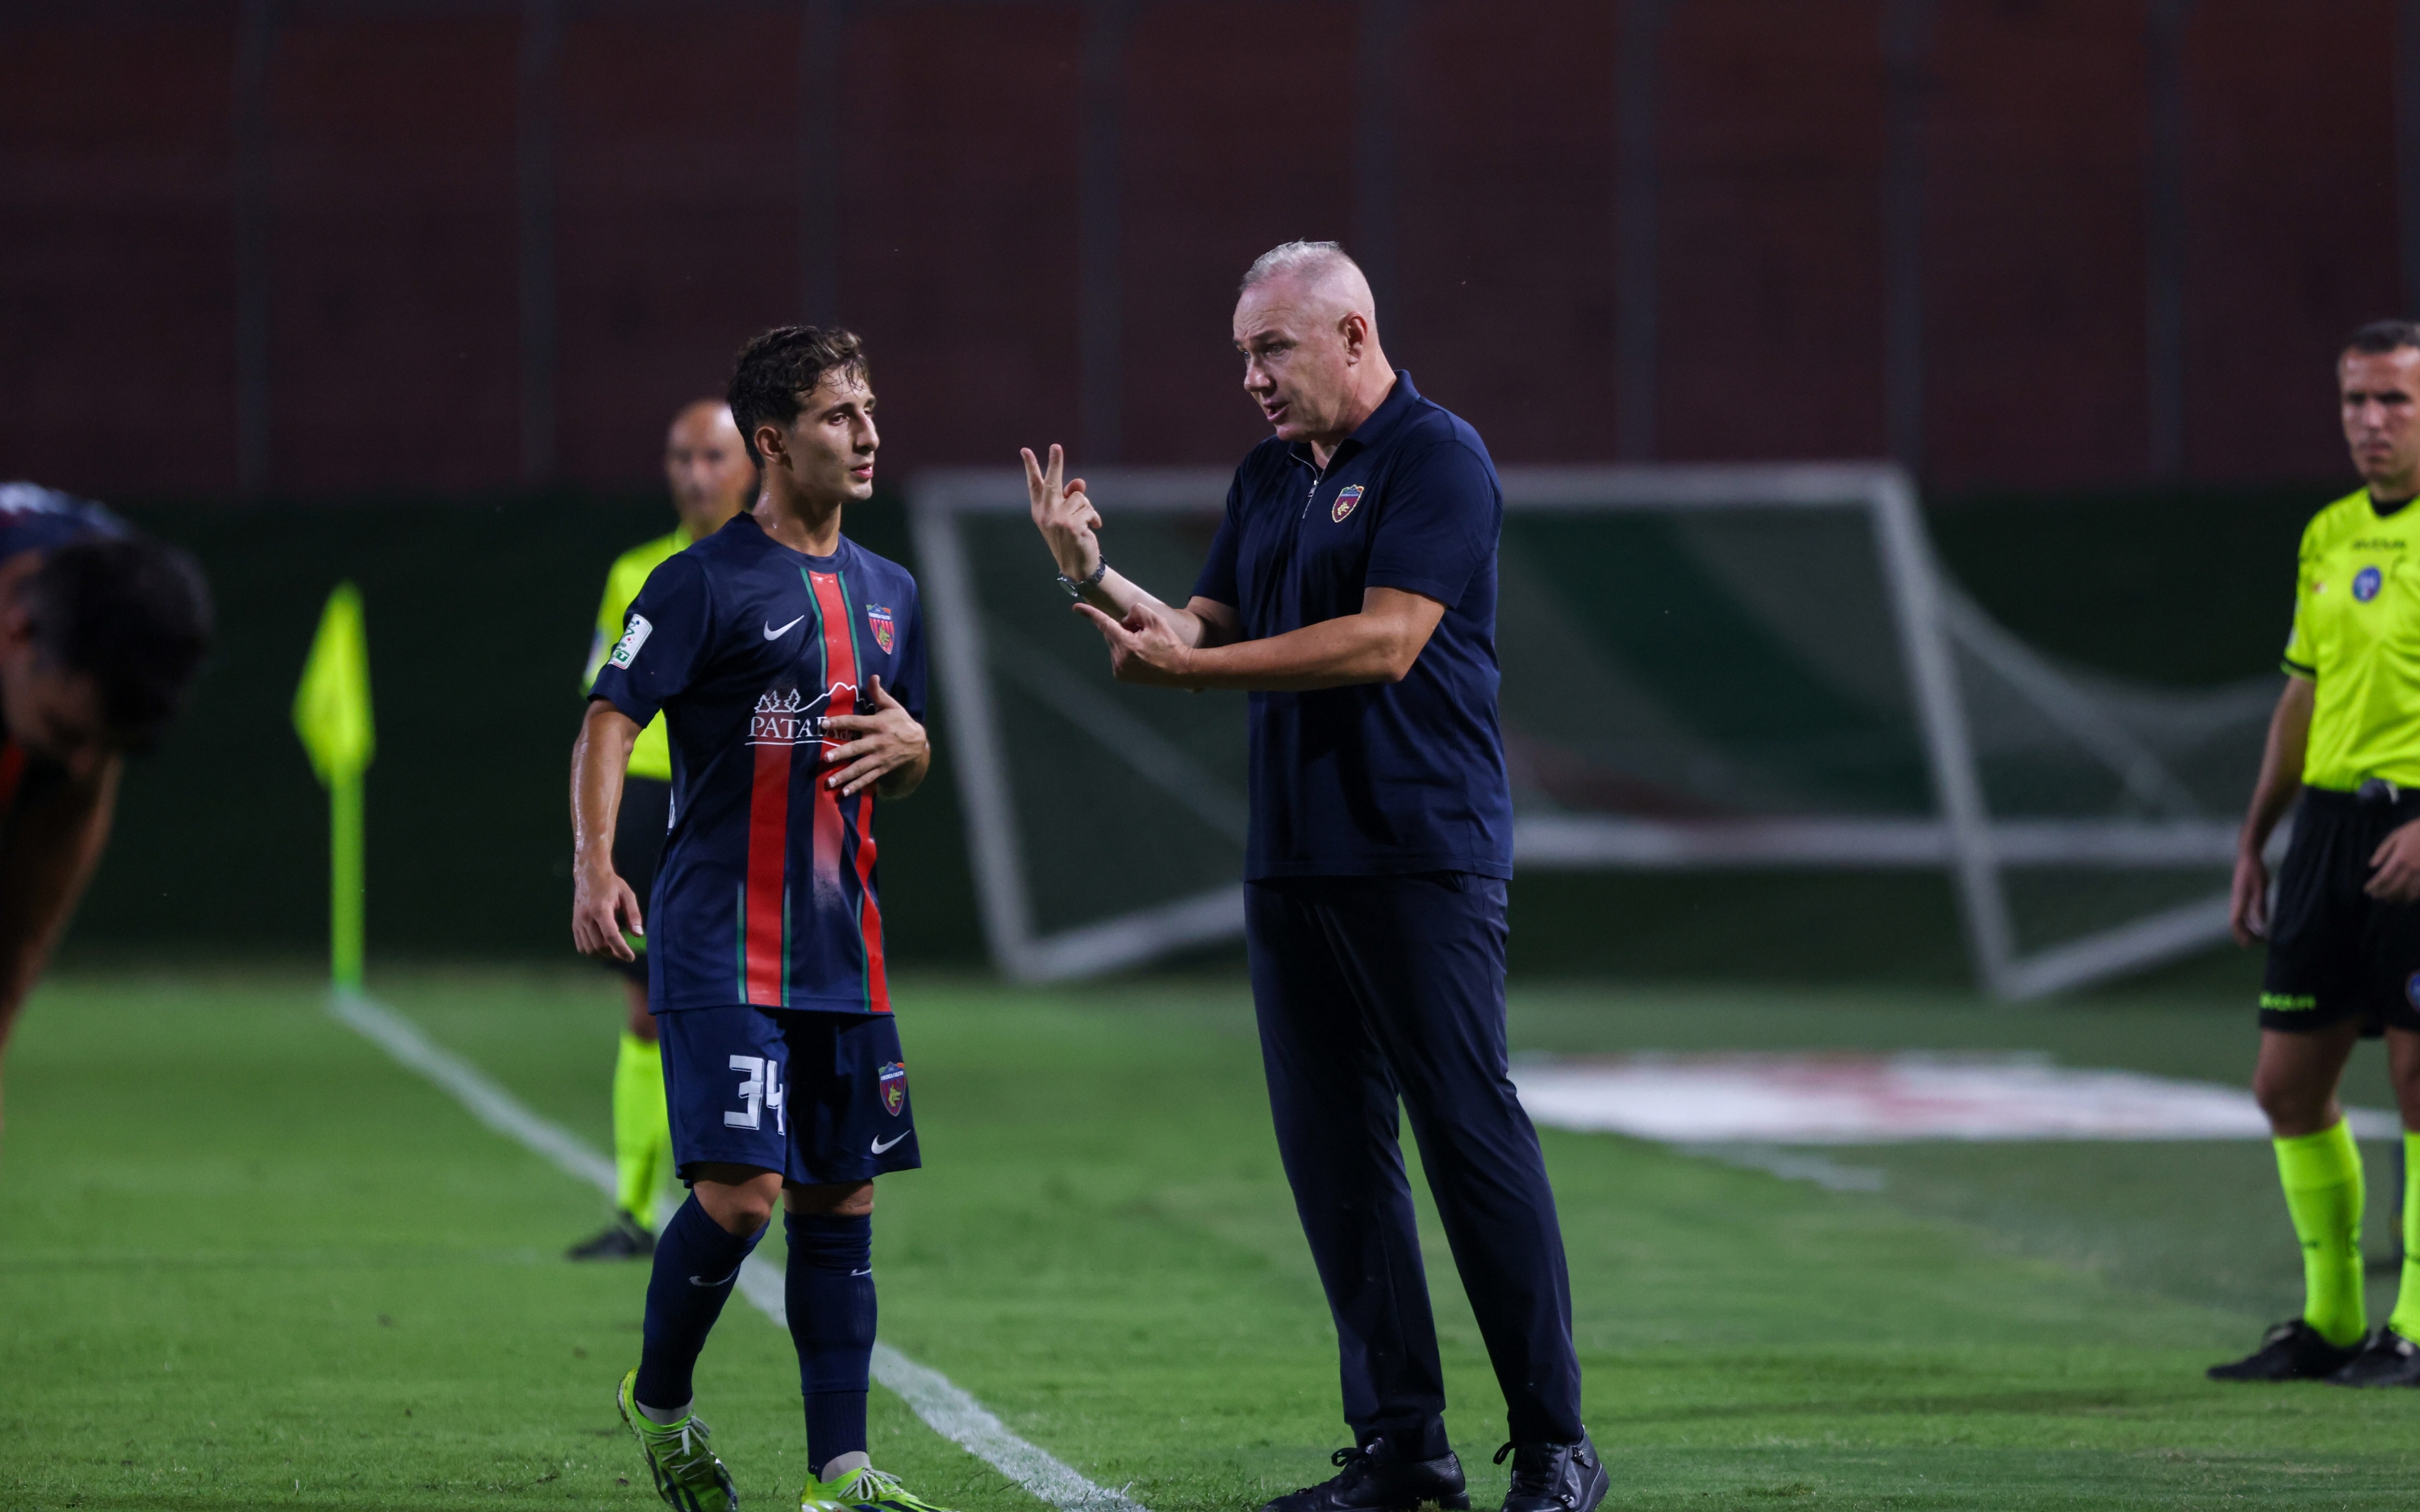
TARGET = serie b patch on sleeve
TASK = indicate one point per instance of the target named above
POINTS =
(625, 651)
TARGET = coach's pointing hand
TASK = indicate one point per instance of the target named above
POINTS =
(1147, 647)
(890, 740)
(1062, 513)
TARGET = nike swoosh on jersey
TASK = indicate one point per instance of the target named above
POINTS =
(771, 633)
(880, 1144)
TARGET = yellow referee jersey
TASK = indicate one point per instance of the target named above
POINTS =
(652, 756)
(2357, 637)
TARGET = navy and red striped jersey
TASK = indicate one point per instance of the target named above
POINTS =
(766, 894)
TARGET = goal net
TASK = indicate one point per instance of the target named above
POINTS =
(1704, 668)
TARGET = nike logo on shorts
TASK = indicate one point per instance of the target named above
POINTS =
(771, 633)
(882, 1145)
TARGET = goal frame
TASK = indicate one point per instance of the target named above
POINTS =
(1958, 838)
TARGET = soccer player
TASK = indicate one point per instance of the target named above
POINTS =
(1352, 592)
(789, 665)
(706, 463)
(100, 631)
(2344, 935)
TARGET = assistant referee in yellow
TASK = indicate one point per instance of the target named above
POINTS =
(707, 466)
(2344, 935)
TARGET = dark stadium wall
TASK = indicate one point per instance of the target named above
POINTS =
(336, 248)
(404, 291)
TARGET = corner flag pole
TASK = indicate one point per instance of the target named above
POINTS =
(331, 713)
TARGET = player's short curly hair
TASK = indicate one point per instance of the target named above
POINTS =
(776, 371)
(2382, 336)
(131, 614)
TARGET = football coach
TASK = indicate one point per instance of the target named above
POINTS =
(1351, 590)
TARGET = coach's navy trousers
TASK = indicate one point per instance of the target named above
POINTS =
(1374, 989)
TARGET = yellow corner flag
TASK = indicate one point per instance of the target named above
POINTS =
(331, 713)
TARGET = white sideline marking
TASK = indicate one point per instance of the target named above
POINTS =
(943, 1405)
(1856, 1099)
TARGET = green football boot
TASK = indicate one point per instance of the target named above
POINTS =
(865, 1488)
(680, 1458)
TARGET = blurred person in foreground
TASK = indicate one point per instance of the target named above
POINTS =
(789, 665)
(2344, 933)
(1351, 590)
(706, 466)
(102, 629)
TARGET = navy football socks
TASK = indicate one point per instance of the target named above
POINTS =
(829, 1290)
(697, 1261)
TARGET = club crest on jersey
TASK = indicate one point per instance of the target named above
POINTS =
(879, 618)
(894, 1088)
(2366, 584)
(1345, 500)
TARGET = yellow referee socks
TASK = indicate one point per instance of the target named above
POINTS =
(2321, 1174)
(642, 1135)
(2406, 1317)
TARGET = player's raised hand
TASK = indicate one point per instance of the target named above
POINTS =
(2394, 876)
(602, 907)
(1063, 512)
(887, 740)
(1146, 647)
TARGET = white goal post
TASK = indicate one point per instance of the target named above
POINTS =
(1936, 631)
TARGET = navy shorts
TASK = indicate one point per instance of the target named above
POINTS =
(2335, 951)
(818, 1096)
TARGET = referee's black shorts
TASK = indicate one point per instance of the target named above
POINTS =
(2335, 951)
(638, 845)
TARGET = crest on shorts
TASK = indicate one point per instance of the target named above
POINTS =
(879, 618)
(1345, 500)
(894, 1088)
(2366, 584)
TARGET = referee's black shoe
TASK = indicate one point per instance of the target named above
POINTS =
(1374, 1479)
(1554, 1477)
(623, 1239)
(2391, 1360)
(2289, 1352)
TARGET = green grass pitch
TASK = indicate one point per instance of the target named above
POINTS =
(247, 1262)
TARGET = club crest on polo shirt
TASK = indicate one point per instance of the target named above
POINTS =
(2366, 584)
(878, 618)
(1345, 500)
(894, 1087)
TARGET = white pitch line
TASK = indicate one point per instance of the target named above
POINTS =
(944, 1406)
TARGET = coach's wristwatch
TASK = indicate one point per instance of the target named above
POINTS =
(1075, 586)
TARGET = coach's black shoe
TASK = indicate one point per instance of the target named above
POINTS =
(2391, 1360)
(623, 1241)
(1554, 1477)
(2289, 1352)
(1373, 1479)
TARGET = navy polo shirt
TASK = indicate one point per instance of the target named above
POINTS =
(1382, 777)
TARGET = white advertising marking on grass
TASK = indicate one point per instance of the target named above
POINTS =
(1756, 1101)
(943, 1405)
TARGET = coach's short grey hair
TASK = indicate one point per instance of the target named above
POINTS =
(1306, 257)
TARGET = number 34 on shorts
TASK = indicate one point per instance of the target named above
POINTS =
(819, 1097)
